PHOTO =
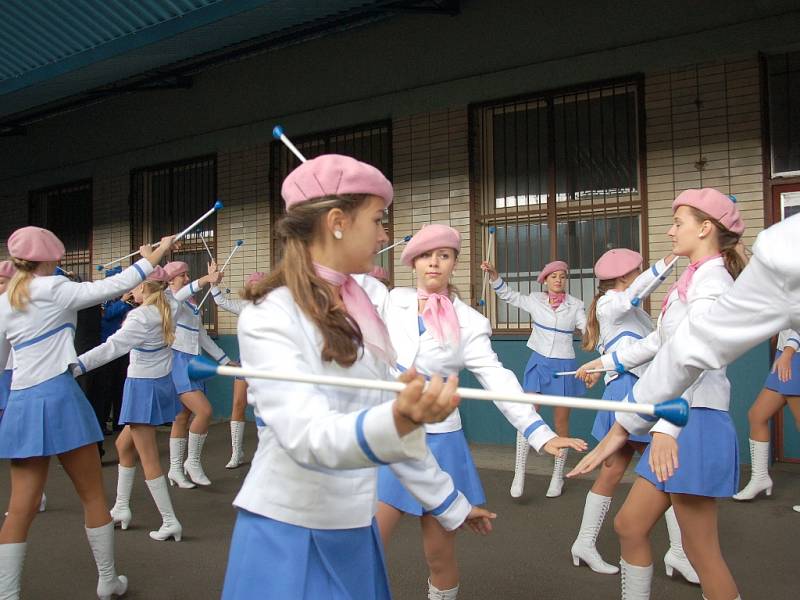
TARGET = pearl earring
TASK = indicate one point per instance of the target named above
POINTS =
(337, 234)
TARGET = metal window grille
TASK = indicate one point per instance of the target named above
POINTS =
(558, 175)
(167, 198)
(66, 210)
(783, 85)
(371, 143)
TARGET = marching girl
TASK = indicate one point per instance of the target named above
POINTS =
(7, 271)
(436, 333)
(613, 324)
(556, 317)
(235, 306)
(148, 398)
(782, 387)
(308, 502)
(692, 471)
(190, 339)
(47, 414)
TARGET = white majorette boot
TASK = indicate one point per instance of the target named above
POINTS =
(121, 511)
(520, 462)
(12, 557)
(594, 513)
(635, 581)
(192, 466)
(101, 541)
(796, 508)
(675, 558)
(436, 594)
(557, 480)
(176, 476)
(170, 527)
(237, 445)
(760, 480)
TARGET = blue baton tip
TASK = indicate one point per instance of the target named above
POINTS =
(481, 302)
(635, 301)
(277, 132)
(99, 267)
(218, 205)
(407, 238)
(239, 242)
(201, 368)
(676, 411)
(492, 229)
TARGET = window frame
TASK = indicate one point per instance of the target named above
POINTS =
(550, 213)
(61, 188)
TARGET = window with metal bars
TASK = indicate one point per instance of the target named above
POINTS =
(370, 143)
(558, 176)
(167, 198)
(783, 83)
(66, 210)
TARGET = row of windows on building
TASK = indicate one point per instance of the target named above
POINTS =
(556, 174)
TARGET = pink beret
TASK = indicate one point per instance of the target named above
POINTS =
(379, 272)
(715, 204)
(159, 273)
(430, 237)
(552, 267)
(334, 175)
(35, 244)
(616, 263)
(254, 278)
(7, 269)
(175, 268)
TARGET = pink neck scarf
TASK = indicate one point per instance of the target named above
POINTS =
(440, 317)
(682, 285)
(362, 311)
(556, 299)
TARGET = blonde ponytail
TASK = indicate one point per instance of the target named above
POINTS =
(591, 336)
(19, 292)
(154, 294)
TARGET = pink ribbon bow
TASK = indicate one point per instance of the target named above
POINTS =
(556, 299)
(682, 285)
(440, 317)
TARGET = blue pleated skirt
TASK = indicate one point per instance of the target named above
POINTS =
(708, 457)
(271, 559)
(180, 374)
(48, 418)
(5, 388)
(791, 387)
(604, 420)
(539, 376)
(452, 453)
(149, 401)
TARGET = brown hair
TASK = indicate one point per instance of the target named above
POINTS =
(154, 294)
(591, 334)
(342, 339)
(19, 293)
(727, 240)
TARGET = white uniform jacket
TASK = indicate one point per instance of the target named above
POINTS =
(621, 323)
(140, 335)
(763, 300)
(225, 302)
(317, 457)
(190, 335)
(789, 338)
(42, 335)
(552, 331)
(474, 353)
(712, 389)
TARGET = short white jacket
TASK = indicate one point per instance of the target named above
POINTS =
(552, 331)
(190, 335)
(42, 335)
(317, 457)
(712, 389)
(474, 353)
(141, 335)
(789, 338)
